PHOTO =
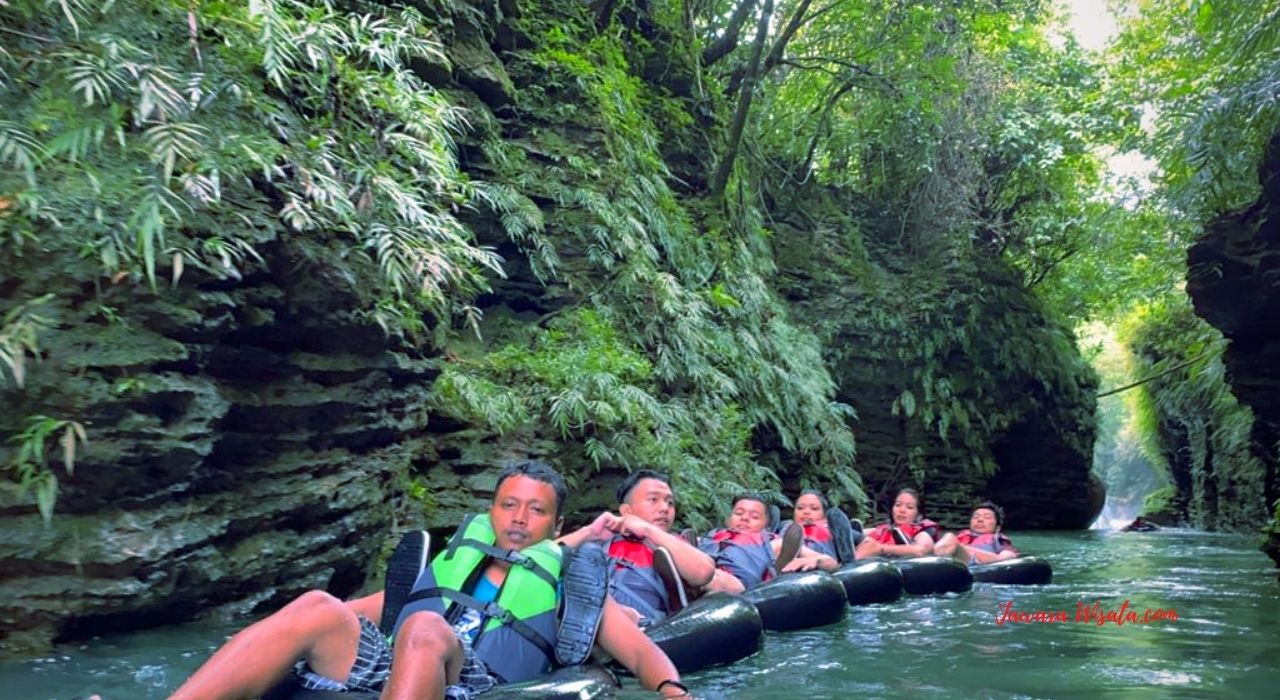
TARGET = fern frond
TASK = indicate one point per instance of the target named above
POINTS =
(169, 142)
(159, 99)
(20, 150)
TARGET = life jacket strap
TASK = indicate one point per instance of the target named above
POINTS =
(489, 609)
(512, 557)
(456, 540)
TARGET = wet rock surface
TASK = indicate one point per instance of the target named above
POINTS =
(1233, 278)
(244, 445)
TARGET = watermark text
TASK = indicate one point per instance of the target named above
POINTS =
(1086, 613)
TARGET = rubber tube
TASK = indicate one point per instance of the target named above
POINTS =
(799, 600)
(570, 683)
(929, 575)
(717, 628)
(1022, 571)
(870, 582)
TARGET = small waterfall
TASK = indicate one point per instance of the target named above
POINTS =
(1129, 472)
(1116, 514)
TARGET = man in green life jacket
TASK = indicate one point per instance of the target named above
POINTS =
(336, 646)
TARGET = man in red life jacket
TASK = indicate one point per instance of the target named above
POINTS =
(982, 543)
(747, 554)
(907, 534)
(653, 567)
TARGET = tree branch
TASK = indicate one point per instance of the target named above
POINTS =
(780, 45)
(729, 41)
(1044, 272)
(1157, 375)
(721, 176)
(822, 123)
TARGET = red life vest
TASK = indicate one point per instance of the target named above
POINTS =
(991, 542)
(746, 555)
(883, 533)
(634, 583)
(818, 538)
(816, 532)
(634, 551)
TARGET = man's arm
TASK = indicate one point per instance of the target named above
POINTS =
(982, 556)
(694, 565)
(597, 531)
(620, 637)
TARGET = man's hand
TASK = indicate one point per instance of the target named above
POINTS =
(632, 526)
(603, 527)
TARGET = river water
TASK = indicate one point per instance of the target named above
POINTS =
(1225, 641)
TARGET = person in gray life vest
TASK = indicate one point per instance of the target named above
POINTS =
(982, 543)
(748, 554)
(481, 613)
(654, 570)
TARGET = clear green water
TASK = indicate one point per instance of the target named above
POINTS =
(1225, 642)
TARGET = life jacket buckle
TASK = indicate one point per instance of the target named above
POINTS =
(497, 612)
(514, 557)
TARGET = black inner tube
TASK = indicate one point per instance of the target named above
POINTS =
(1021, 571)
(799, 601)
(717, 628)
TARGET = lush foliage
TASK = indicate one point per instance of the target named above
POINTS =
(177, 149)
(156, 138)
(30, 466)
(975, 135)
(1204, 434)
(1127, 454)
(166, 141)
(674, 353)
(1204, 76)
(1211, 94)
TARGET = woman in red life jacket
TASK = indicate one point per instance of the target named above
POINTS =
(982, 543)
(747, 554)
(907, 534)
(811, 514)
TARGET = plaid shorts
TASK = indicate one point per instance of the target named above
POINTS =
(372, 668)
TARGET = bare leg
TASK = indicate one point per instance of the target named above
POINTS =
(427, 658)
(315, 626)
(725, 582)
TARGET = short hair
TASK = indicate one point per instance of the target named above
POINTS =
(994, 509)
(629, 483)
(539, 471)
(753, 496)
(822, 499)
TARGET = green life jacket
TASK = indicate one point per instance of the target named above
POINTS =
(518, 639)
